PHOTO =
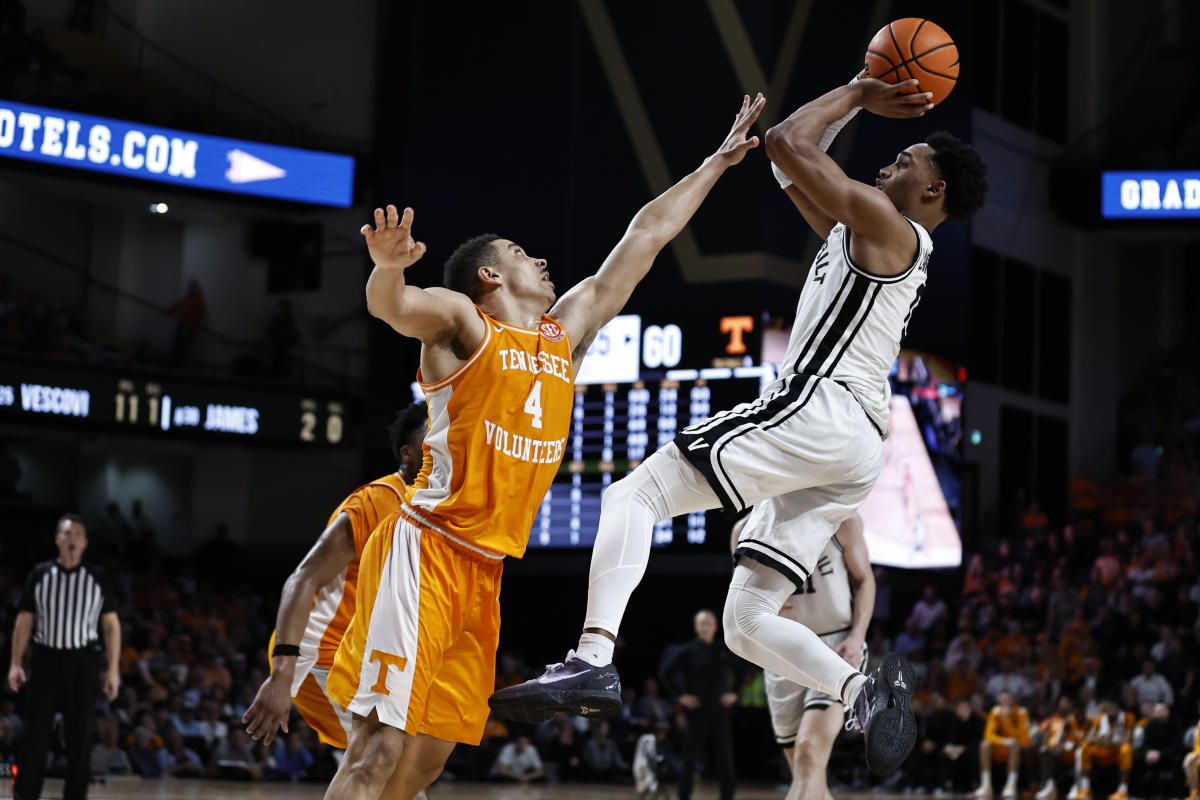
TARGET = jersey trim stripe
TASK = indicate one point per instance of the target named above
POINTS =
(771, 556)
(415, 517)
(873, 276)
(487, 337)
(866, 313)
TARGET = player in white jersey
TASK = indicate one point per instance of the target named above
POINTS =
(836, 603)
(807, 452)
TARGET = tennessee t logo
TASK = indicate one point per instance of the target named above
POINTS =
(386, 660)
(735, 327)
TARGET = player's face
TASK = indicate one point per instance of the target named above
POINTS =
(907, 177)
(71, 539)
(523, 274)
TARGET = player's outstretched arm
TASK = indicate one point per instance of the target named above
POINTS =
(595, 300)
(862, 578)
(433, 315)
(793, 145)
(333, 551)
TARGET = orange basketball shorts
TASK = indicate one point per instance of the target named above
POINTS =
(421, 649)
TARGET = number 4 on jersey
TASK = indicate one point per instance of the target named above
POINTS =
(533, 404)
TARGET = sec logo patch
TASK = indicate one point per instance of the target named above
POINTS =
(552, 332)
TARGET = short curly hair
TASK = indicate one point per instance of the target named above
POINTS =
(410, 419)
(965, 174)
(462, 267)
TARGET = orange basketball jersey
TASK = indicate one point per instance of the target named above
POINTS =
(497, 433)
(333, 604)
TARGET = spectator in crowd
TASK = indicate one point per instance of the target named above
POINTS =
(1156, 754)
(648, 759)
(291, 758)
(1191, 766)
(928, 610)
(1009, 680)
(519, 761)
(1006, 739)
(143, 755)
(959, 757)
(651, 708)
(177, 760)
(963, 680)
(107, 756)
(601, 761)
(911, 640)
(190, 312)
(1150, 687)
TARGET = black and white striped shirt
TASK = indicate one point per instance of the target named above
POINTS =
(66, 604)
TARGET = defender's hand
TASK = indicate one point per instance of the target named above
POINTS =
(886, 100)
(736, 145)
(689, 701)
(850, 649)
(268, 714)
(390, 242)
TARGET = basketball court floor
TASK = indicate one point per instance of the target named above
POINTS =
(171, 789)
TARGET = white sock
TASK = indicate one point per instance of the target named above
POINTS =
(755, 631)
(1012, 780)
(1123, 788)
(664, 486)
(853, 688)
(1085, 782)
(596, 649)
(985, 779)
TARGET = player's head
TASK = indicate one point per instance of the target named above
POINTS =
(407, 432)
(1005, 700)
(487, 263)
(70, 536)
(1065, 706)
(935, 180)
(705, 623)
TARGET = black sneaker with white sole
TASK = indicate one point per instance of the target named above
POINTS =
(574, 686)
(881, 712)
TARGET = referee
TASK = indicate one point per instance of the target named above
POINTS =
(61, 606)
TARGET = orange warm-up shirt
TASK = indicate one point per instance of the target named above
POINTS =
(497, 432)
(333, 604)
(1013, 725)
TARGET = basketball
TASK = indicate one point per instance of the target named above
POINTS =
(915, 48)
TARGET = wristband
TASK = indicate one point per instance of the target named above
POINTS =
(285, 650)
(833, 130)
(784, 180)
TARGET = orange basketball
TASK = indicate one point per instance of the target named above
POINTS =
(915, 48)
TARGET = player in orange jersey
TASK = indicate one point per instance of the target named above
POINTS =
(499, 352)
(318, 598)
(1062, 734)
(1006, 735)
(1191, 768)
(1110, 741)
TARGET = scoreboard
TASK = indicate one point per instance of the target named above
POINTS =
(132, 401)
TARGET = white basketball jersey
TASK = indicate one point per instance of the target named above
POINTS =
(825, 603)
(849, 321)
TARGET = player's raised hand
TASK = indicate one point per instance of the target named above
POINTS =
(390, 242)
(736, 145)
(889, 100)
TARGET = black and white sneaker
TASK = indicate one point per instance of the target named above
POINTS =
(574, 686)
(881, 712)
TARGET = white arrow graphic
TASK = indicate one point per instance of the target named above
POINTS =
(244, 168)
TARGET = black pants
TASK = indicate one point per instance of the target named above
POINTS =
(66, 681)
(711, 719)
